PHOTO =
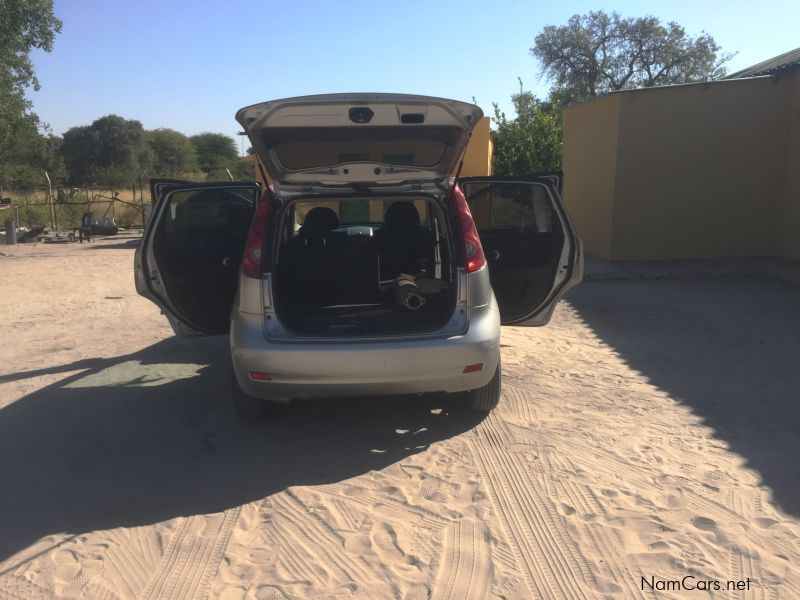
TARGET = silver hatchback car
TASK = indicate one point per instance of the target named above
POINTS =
(366, 268)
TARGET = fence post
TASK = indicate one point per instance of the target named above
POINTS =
(141, 202)
(53, 208)
(49, 198)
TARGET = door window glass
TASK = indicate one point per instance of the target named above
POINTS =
(512, 207)
(210, 212)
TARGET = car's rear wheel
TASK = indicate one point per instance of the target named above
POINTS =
(247, 407)
(485, 399)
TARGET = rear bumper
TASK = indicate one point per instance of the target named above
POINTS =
(330, 369)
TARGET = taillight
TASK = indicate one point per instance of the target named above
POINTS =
(473, 251)
(255, 257)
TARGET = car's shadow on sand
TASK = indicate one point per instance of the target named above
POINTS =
(111, 243)
(151, 436)
(726, 347)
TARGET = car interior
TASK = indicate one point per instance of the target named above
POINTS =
(340, 264)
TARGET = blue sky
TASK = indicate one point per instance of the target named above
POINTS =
(190, 65)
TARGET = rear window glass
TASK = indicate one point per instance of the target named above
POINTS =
(356, 211)
(298, 149)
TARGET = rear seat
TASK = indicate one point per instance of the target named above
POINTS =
(325, 267)
(404, 244)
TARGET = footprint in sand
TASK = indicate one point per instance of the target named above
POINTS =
(357, 543)
(67, 568)
(429, 489)
(417, 592)
(437, 490)
(384, 539)
(269, 592)
(478, 495)
(567, 510)
(704, 523)
(355, 492)
(765, 522)
(658, 545)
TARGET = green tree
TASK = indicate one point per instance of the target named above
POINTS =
(245, 169)
(173, 154)
(530, 142)
(78, 153)
(33, 155)
(24, 25)
(110, 151)
(216, 152)
(599, 52)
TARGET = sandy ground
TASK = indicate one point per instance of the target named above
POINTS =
(651, 431)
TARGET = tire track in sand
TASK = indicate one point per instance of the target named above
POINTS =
(308, 542)
(583, 498)
(192, 556)
(131, 557)
(551, 562)
(465, 569)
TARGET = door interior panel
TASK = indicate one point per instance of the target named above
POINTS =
(522, 269)
(198, 246)
(523, 238)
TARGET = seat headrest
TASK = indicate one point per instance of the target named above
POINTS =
(319, 220)
(401, 216)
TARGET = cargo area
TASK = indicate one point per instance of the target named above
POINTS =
(364, 266)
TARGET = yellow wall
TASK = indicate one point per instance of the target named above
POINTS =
(589, 165)
(480, 150)
(694, 171)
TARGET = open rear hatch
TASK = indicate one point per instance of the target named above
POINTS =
(359, 139)
(355, 149)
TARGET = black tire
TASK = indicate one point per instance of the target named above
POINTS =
(484, 399)
(248, 408)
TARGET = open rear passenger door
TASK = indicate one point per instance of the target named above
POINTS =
(533, 253)
(188, 260)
